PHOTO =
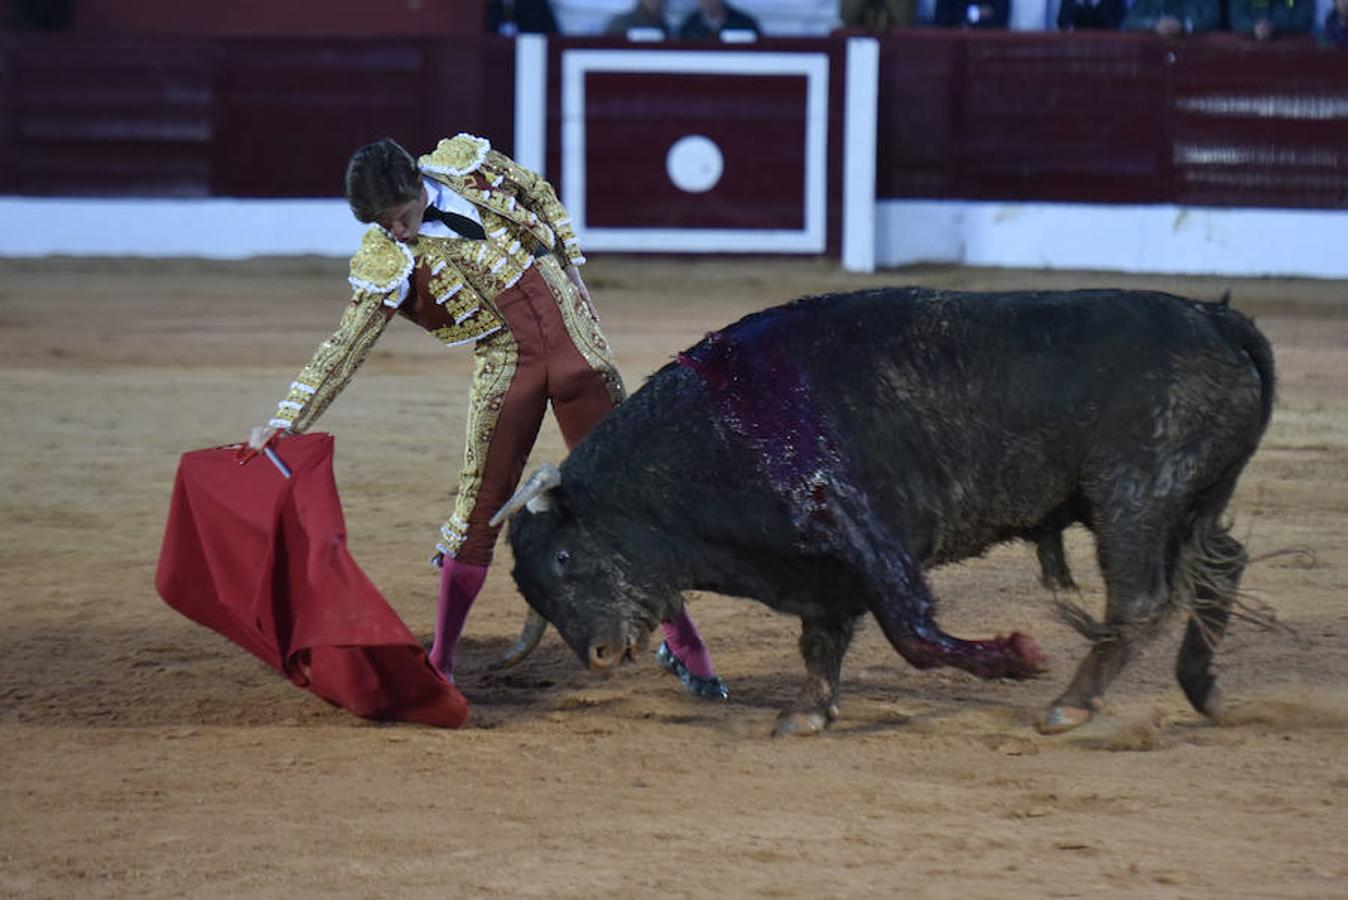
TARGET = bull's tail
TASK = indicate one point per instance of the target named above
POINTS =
(1242, 335)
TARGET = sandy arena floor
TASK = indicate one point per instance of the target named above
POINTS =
(141, 755)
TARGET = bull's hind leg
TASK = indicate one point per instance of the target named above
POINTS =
(1133, 561)
(823, 643)
(1216, 568)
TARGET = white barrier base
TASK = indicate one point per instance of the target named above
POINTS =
(215, 228)
(1161, 239)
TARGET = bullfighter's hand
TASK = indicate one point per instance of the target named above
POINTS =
(573, 272)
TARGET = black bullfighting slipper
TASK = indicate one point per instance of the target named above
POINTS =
(703, 687)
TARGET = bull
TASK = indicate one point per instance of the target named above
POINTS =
(820, 456)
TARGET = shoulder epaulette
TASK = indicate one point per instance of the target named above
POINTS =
(381, 263)
(459, 155)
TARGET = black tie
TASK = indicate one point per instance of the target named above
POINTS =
(461, 225)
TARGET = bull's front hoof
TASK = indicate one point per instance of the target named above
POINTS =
(800, 724)
(1064, 718)
(1214, 707)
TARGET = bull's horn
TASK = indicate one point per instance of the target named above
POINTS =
(533, 493)
(534, 626)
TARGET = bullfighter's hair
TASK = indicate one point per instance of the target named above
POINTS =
(380, 176)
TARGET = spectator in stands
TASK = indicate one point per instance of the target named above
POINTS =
(511, 17)
(973, 13)
(1086, 15)
(1263, 19)
(1335, 32)
(646, 14)
(1173, 18)
(877, 16)
(40, 15)
(713, 17)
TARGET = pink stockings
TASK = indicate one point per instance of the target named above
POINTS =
(459, 587)
(682, 637)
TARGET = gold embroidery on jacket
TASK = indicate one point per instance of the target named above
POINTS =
(381, 264)
(442, 261)
(335, 362)
(501, 185)
(459, 155)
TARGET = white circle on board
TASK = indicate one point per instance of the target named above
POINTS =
(694, 163)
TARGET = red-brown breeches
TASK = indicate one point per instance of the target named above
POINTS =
(549, 369)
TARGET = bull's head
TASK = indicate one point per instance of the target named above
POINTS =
(582, 572)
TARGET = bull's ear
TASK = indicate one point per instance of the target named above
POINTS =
(545, 478)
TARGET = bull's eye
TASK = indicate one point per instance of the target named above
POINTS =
(563, 557)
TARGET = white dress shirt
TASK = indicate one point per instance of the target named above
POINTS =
(445, 200)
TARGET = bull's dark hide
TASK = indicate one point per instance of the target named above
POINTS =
(819, 456)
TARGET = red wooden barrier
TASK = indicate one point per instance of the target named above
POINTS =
(93, 116)
(1021, 116)
(1259, 126)
(142, 115)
